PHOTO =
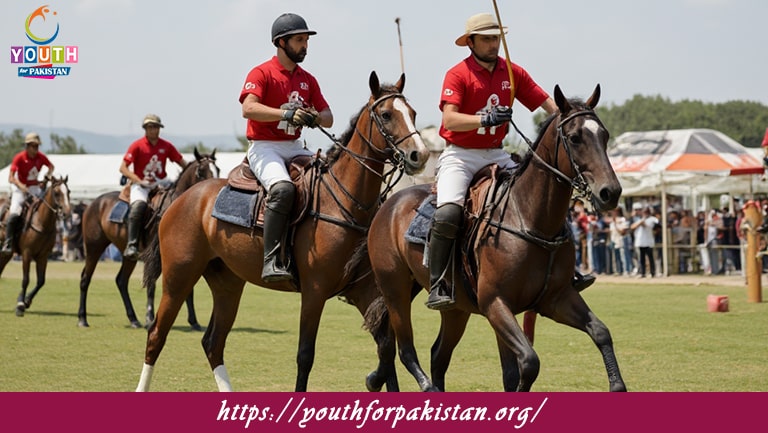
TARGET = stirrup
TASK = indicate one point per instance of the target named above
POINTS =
(131, 253)
(437, 300)
(581, 282)
(271, 273)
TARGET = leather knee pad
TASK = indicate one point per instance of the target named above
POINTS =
(447, 220)
(281, 196)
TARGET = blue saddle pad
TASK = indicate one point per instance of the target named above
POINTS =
(419, 228)
(119, 212)
(235, 206)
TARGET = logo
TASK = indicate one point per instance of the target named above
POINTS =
(42, 59)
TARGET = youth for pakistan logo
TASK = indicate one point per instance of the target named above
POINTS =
(42, 59)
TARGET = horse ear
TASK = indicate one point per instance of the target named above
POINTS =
(561, 101)
(595, 98)
(400, 83)
(373, 83)
(213, 154)
(197, 154)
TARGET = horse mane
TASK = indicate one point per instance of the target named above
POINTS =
(337, 150)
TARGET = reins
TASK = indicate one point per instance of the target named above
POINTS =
(389, 178)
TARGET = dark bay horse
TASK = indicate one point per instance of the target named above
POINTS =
(348, 192)
(36, 241)
(522, 254)
(98, 232)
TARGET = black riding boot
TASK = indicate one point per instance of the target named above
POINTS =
(135, 221)
(441, 239)
(10, 234)
(278, 209)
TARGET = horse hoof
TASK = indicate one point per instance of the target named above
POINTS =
(82, 324)
(135, 324)
(20, 307)
(195, 326)
(370, 382)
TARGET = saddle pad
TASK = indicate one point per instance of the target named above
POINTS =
(119, 212)
(235, 206)
(419, 228)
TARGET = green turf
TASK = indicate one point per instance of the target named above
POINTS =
(665, 340)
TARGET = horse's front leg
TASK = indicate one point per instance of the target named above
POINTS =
(41, 265)
(21, 305)
(452, 326)
(573, 311)
(312, 305)
(509, 333)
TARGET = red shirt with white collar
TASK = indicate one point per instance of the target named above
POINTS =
(474, 89)
(28, 169)
(275, 86)
(148, 160)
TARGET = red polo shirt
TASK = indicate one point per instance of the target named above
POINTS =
(275, 86)
(148, 160)
(475, 90)
(28, 169)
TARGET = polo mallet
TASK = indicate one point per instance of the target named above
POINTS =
(400, 41)
(506, 55)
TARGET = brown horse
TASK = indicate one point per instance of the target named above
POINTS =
(98, 231)
(522, 255)
(36, 241)
(348, 192)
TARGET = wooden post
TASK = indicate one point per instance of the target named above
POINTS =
(752, 219)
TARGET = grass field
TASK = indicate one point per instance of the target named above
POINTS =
(665, 340)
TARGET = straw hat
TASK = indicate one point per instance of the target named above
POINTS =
(32, 138)
(152, 119)
(480, 24)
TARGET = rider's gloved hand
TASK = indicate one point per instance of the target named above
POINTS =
(302, 117)
(496, 116)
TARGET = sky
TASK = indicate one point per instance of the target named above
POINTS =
(186, 61)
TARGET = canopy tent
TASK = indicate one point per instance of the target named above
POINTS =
(682, 162)
(686, 162)
(91, 175)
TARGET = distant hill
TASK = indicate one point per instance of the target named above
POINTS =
(103, 143)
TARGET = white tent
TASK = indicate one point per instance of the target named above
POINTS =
(683, 162)
(91, 175)
(686, 162)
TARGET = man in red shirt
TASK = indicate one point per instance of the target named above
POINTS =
(23, 177)
(475, 102)
(279, 98)
(148, 156)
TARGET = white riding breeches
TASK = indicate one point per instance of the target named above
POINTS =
(267, 159)
(458, 165)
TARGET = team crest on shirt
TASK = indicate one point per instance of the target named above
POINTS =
(448, 92)
(304, 86)
(505, 85)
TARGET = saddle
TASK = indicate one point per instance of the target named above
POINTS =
(241, 179)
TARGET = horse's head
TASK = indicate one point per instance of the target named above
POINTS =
(202, 168)
(206, 167)
(584, 140)
(395, 120)
(57, 195)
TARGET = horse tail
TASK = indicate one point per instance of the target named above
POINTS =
(151, 258)
(376, 319)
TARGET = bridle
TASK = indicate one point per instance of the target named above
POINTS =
(390, 153)
(55, 207)
(578, 182)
